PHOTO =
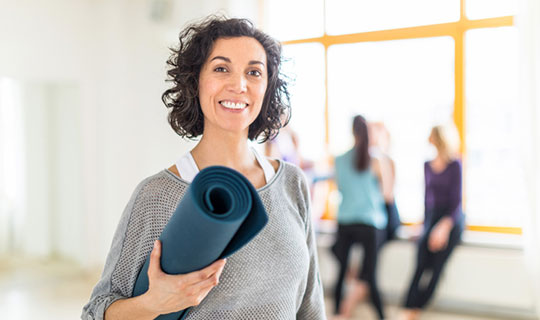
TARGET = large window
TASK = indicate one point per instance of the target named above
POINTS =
(346, 16)
(495, 183)
(408, 85)
(412, 64)
(305, 67)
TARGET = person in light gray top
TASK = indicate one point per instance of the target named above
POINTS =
(227, 88)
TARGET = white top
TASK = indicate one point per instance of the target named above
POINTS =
(188, 169)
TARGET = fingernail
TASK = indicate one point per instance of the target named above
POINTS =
(155, 243)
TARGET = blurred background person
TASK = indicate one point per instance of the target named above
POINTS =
(443, 220)
(379, 146)
(284, 147)
(361, 217)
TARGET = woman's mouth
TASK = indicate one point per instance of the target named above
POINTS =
(233, 105)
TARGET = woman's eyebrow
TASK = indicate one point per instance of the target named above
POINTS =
(252, 62)
(222, 58)
(256, 62)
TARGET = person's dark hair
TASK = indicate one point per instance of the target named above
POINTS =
(361, 139)
(196, 43)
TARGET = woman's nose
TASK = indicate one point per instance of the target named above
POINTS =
(237, 83)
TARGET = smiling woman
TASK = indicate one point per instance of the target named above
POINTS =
(198, 49)
(232, 85)
(227, 89)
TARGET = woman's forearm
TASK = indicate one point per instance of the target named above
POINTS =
(131, 308)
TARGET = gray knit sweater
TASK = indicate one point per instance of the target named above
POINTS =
(275, 276)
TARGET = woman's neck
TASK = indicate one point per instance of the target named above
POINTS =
(225, 150)
(443, 158)
(440, 163)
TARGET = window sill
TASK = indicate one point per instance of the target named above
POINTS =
(326, 230)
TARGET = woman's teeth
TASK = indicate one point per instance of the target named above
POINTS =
(232, 105)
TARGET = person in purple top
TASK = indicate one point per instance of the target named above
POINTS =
(443, 221)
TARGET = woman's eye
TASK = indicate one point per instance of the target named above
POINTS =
(220, 69)
(256, 73)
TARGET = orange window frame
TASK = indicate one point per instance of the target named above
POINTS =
(454, 29)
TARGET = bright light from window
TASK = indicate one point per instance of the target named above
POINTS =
(298, 19)
(407, 84)
(306, 68)
(480, 9)
(495, 184)
(345, 16)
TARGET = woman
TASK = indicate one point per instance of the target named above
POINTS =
(361, 219)
(379, 145)
(227, 88)
(443, 221)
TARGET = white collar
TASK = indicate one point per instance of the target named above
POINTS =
(188, 169)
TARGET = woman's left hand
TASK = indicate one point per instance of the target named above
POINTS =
(438, 237)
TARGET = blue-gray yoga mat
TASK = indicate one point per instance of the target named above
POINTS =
(220, 213)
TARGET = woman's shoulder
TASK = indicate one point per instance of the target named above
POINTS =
(455, 165)
(346, 154)
(289, 169)
(274, 163)
(343, 159)
(159, 184)
(456, 162)
(290, 177)
(156, 194)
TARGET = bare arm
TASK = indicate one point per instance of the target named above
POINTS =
(391, 169)
(130, 308)
(385, 177)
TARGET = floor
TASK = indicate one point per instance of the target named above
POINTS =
(364, 312)
(43, 289)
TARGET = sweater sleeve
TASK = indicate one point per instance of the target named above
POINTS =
(109, 289)
(312, 306)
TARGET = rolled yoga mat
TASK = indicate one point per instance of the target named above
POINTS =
(220, 213)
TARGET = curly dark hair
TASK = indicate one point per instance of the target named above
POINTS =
(196, 43)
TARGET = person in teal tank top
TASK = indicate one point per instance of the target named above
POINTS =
(362, 199)
(361, 219)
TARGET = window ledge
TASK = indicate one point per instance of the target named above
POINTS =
(326, 230)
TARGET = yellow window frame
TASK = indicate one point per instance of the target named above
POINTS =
(454, 29)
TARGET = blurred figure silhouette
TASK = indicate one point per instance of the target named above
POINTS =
(379, 145)
(361, 219)
(285, 146)
(443, 222)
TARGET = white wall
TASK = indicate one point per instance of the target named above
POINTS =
(134, 137)
(478, 279)
(529, 41)
(33, 237)
(113, 131)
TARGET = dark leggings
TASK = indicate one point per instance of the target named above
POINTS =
(369, 238)
(429, 266)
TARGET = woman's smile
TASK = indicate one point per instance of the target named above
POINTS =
(232, 84)
(231, 105)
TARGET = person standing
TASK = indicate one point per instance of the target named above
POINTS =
(379, 145)
(361, 219)
(227, 89)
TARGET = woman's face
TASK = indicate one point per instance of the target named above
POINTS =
(432, 139)
(232, 84)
